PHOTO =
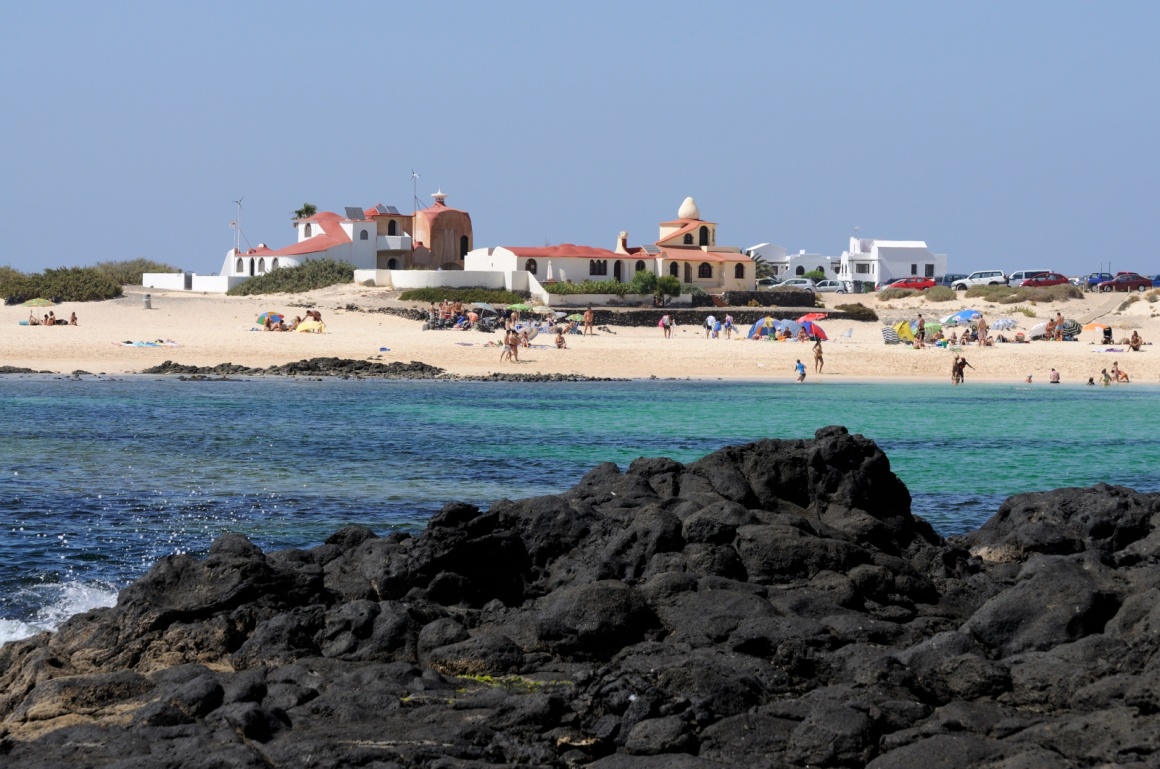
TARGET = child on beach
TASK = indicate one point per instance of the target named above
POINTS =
(800, 368)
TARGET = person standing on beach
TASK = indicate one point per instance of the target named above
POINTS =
(728, 326)
(982, 331)
(800, 368)
(709, 323)
(667, 325)
(819, 364)
(588, 317)
(920, 332)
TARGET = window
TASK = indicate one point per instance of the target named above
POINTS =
(308, 230)
(675, 270)
(739, 272)
(362, 235)
(862, 268)
(688, 239)
(929, 271)
(274, 263)
(262, 265)
(241, 266)
(392, 227)
(914, 269)
(688, 273)
(463, 246)
(639, 265)
(800, 270)
(704, 270)
(391, 263)
(597, 266)
(530, 266)
(704, 236)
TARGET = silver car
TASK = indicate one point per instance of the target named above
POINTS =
(830, 286)
(805, 283)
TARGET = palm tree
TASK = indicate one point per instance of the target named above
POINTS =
(307, 210)
(763, 268)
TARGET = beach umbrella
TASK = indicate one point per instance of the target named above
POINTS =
(483, 306)
(812, 316)
(962, 316)
(1003, 324)
(41, 302)
(902, 329)
(274, 317)
(1071, 327)
(548, 274)
(1037, 331)
(1095, 327)
(576, 316)
(889, 335)
(559, 314)
(815, 331)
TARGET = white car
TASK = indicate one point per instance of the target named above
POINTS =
(805, 283)
(830, 286)
(981, 278)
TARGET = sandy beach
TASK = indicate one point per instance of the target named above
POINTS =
(211, 329)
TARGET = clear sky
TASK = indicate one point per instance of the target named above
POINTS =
(1008, 135)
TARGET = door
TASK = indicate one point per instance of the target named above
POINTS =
(618, 272)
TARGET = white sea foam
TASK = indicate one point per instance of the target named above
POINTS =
(59, 603)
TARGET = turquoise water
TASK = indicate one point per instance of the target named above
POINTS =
(98, 479)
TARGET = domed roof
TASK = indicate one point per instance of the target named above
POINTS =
(688, 209)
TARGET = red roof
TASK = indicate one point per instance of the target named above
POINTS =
(564, 250)
(690, 254)
(332, 234)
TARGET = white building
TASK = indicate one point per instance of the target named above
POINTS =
(877, 261)
(784, 264)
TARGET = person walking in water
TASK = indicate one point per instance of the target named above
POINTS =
(800, 368)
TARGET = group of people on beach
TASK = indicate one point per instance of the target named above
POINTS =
(280, 324)
(51, 320)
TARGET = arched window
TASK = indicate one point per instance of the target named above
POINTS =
(392, 227)
(363, 235)
(820, 269)
(463, 249)
(675, 270)
(530, 266)
(241, 268)
(688, 238)
(251, 266)
(597, 266)
(800, 270)
(704, 236)
(392, 264)
(639, 265)
(274, 263)
(704, 270)
(262, 265)
(308, 230)
(739, 271)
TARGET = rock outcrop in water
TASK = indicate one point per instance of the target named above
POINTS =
(770, 605)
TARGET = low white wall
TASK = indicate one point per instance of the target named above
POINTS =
(217, 284)
(609, 300)
(173, 281)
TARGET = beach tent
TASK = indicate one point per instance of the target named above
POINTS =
(815, 331)
(962, 317)
(889, 335)
(902, 330)
(930, 327)
(759, 330)
(1037, 331)
(789, 327)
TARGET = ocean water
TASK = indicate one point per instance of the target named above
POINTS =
(100, 478)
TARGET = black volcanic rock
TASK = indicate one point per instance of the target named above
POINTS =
(769, 605)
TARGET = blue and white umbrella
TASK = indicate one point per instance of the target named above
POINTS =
(1004, 324)
(962, 317)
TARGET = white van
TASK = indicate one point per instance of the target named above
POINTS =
(1016, 278)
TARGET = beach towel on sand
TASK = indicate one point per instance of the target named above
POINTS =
(158, 343)
(311, 327)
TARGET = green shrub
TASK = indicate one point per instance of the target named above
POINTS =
(316, 273)
(128, 273)
(1012, 294)
(1030, 313)
(989, 293)
(643, 282)
(857, 311)
(815, 275)
(887, 294)
(465, 295)
(67, 284)
(589, 287)
(692, 289)
(1152, 296)
(668, 285)
(940, 294)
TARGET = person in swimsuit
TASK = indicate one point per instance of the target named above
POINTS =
(818, 362)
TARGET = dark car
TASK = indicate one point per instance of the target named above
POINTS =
(1046, 279)
(914, 282)
(949, 279)
(1156, 281)
(1089, 282)
(1125, 281)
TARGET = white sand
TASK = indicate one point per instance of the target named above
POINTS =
(213, 329)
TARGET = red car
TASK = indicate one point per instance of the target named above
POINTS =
(1125, 281)
(1046, 279)
(913, 282)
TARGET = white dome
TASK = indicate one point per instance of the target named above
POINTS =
(688, 209)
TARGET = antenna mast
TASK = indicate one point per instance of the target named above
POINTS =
(236, 225)
(415, 202)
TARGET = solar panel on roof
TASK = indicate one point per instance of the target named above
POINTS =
(354, 212)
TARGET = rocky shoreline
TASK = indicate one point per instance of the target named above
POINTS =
(346, 368)
(769, 605)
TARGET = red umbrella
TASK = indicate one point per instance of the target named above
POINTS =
(814, 330)
(812, 316)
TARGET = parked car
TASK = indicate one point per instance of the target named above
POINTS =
(981, 278)
(1016, 278)
(886, 284)
(1125, 281)
(914, 282)
(949, 279)
(1046, 279)
(1156, 281)
(805, 283)
(1090, 281)
(767, 283)
(830, 286)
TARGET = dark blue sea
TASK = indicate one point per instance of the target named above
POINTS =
(101, 477)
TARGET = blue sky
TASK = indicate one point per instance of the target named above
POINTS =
(1009, 135)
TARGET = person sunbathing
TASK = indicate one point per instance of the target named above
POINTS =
(72, 321)
(33, 320)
